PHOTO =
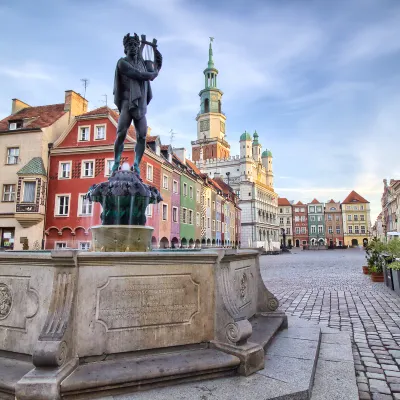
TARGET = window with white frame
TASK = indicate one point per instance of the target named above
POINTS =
(184, 215)
(203, 222)
(175, 186)
(362, 217)
(87, 169)
(349, 217)
(319, 209)
(149, 210)
(83, 133)
(213, 205)
(336, 217)
(84, 246)
(208, 222)
(281, 210)
(312, 209)
(62, 205)
(280, 220)
(337, 229)
(191, 217)
(109, 165)
(361, 208)
(185, 189)
(100, 132)
(191, 192)
(198, 196)
(356, 229)
(213, 225)
(12, 155)
(355, 217)
(29, 192)
(85, 206)
(297, 230)
(287, 231)
(303, 218)
(296, 209)
(313, 229)
(319, 217)
(288, 220)
(198, 219)
(165, 182)
(303, 229)
(320, 229)
(312, 218)
(165, 212)
(64, 171)
(330, 230)
(296, 218)
(350, 229)
(362, 229)
(60, 245)
(302, 209)
(8, 193)
(355, 208)
(329, 217)
(175, 214)
(149, 172)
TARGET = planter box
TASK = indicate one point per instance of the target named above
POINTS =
(396, 281)
(377, 277)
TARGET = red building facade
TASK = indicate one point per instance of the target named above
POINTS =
(333, 224)
(300, 224)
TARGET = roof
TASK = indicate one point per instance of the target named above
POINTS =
(35, 117)
(283, 201)
(266, 153)
(315, 201)
(299, 203)
(354, 197)
(150, 139)
(255, 136)
(331, 201)
(165, 146)
(193, 167)
(245, 136)
(225, 187)
(33, 167)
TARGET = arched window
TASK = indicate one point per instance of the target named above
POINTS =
(219, 106)
(206, 105)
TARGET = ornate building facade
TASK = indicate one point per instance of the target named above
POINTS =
(250, 174)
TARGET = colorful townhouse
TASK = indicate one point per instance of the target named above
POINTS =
(333, 224)
(316, 223)
(25, 137)
(356, 220)
(300, 224)
(285, 221)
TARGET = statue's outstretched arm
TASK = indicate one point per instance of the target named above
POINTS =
(127, 69)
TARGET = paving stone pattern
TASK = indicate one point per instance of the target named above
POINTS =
(328, 287)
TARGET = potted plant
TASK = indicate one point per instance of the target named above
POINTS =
(391, 275)
(375, 260)
(395, 269)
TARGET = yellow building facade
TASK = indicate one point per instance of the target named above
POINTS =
(356, 220)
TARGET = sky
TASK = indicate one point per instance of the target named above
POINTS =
(318, 80)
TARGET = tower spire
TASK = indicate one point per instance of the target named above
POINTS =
(210, 54)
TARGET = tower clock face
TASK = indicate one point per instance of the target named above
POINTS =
(214, 97)
(204, 125)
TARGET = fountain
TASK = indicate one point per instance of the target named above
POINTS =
(76, 324)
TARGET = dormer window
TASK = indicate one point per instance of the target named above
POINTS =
(84, 134)
(13, 125)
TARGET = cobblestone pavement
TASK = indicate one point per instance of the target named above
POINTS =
(328, 286)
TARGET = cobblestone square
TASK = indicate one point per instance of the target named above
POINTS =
(328, 286)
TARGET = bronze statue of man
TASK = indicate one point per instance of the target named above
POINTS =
(132, 94)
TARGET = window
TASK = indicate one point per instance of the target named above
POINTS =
(185, 189)
(362, 217)
(355, 208)
(85, 206)
(287, 210)
(350, 229)
(281, 221)
(303, 229)
(87, 169)
(319, 217)
(296, 209)
(281, 210)
(191, 192)
(356, 229)
(312, 209)
(296, 218)
(320, 229)
(100, 132)
(312, 218)
(319, 209)
(213, 205)
(337, 217)
(62, 203)
(191, 217)
(8, 192)
(149, 210)
(149, 172)
(297, 230)
(313, 229)
(109, 165)
(64, 171)
(338, 229)
(84, 246)
(165, 181)
(208, 222)
(175, 186)
(12, 155)
(29, 192)
(303, 218)
(83, 134)
(60, 245)
(330, 230)
(288, 220)
(198, 196)
(329, 217)
(13, 125)
(355, 217)
(208, 202)
(175, 214)
(165, 212)
(349, 217)
(213, 225)
(363, 229)
(198, 219)
(184, 212)
(288, 231)
(203, 222)
(361, 208)
(333, 208)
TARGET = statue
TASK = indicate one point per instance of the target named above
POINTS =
(132, 94)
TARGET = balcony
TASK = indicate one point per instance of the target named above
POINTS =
(27, 214)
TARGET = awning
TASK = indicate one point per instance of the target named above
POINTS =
(393, 233)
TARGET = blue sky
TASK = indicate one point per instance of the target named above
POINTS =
(319, 80)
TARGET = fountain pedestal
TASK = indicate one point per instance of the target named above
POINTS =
(121, 238)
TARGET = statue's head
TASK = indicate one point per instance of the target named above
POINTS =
(131, 44)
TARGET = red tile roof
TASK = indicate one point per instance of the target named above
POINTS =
(354, 197)
(165, 146)
(150, 139)
(299, 203)
(315, 201)
(225, 187)
(283, 201)
(35, 117)
(331, 201)
(193, 167)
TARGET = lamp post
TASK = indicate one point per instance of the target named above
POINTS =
(284, 248)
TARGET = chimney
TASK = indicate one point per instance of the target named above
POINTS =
(391, 182)
(181, 154)
(18, 105)
(385, 183)
(75, 104)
